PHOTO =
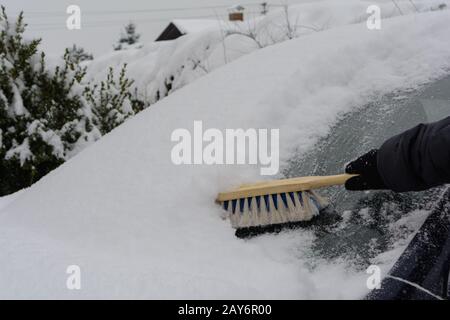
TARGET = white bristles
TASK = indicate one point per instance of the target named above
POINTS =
(299, 210)
(292, 209)
(321, 200)
(245, 220)
(274, 213)
(254, 213)
(274, 209)
(283, 211)
(308, 207)
(264, 214)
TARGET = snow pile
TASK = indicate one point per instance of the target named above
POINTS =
(139, 226)
(5, 201)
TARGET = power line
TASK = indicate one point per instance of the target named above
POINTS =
(49, 27)
(104, 23)
(158, 10)
(108, 23)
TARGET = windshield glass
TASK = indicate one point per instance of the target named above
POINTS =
(365, 228)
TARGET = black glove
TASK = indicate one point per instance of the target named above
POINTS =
(369, 177)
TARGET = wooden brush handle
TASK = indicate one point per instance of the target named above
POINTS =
(283, 186)
(326, 181)
(313, 181)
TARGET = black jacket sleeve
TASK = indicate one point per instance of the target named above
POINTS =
(417, 159)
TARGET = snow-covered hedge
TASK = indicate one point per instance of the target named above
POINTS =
(49, 114)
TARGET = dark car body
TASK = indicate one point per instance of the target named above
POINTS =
(422, 270)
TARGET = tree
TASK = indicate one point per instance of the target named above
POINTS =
(77, 54)
(127, 38)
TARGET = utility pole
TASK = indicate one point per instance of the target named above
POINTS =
(264, 8)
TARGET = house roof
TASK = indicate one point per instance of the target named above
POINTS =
(196, 25)
(180, 27)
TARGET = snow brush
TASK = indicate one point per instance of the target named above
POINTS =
(271, 205)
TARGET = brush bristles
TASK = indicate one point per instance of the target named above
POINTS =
(274, 209)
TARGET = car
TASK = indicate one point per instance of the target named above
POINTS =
(364, 230)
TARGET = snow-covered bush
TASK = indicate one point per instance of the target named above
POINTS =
(78, 54)
(129, 38)
(48, 115)
(112, 101)
(39, 117)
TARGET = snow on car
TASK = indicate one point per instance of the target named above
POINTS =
(139, 226)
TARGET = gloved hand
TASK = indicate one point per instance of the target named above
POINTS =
(366, 167)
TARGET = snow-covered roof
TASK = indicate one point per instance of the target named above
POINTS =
(237, 7)
(197, 25)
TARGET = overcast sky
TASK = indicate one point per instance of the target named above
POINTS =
(102, 20)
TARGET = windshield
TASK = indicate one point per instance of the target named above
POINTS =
(373, 227)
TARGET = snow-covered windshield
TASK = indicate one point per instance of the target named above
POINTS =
(364, 228)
